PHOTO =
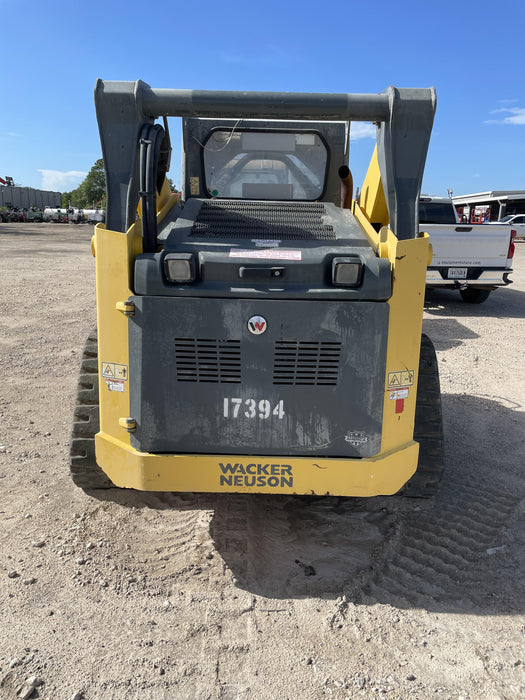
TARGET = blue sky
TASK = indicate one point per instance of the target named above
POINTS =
(472, 52)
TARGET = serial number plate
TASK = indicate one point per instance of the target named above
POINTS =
(457, 273)
(251, 408)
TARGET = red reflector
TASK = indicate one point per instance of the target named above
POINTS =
(512, 247)
(400, 405)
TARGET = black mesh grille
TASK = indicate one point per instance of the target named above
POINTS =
(203, 360)
(303, 362)
(265, 220)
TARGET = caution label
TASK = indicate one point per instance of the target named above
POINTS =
(195, 187)
(404, 378)
(110, 370)
(115, 384)
(396, 394)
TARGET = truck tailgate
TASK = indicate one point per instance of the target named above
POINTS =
(482, 245)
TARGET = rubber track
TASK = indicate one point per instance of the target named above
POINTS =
(428, 429)
(85, 471)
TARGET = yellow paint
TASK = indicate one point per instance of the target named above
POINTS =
(128, 468)
(114, 260)
(372, 198)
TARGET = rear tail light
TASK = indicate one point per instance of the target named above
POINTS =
(510, 254)
(180, 267)
(347, 272)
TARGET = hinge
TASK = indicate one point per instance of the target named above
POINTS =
(127, 307)
(129, 424)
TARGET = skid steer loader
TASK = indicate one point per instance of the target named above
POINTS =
(261, 332)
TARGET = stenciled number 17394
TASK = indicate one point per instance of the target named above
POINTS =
(251, 408)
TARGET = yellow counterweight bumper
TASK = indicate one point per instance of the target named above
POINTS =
(382, 475)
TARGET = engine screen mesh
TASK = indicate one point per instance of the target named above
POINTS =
(263, 220)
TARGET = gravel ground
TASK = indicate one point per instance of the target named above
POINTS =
(120, 594)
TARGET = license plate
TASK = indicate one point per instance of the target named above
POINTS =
(457, 273)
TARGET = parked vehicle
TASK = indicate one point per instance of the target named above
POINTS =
(517, 222)
(95, 216)
(474, 259)
(34, 214)
(56, 215)
(75, 216)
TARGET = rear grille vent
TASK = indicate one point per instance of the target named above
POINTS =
(265, 220)
(303, 362)
(203, 360)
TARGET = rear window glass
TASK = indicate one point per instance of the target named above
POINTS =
(436, 213)
(287, 165)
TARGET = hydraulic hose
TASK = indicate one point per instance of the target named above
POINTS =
(152, 170)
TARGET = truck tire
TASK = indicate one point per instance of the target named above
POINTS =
(474, 296)
(428, 429)
(84, 469)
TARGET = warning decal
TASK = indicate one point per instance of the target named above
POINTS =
(267, 254)
(110, 370)
(115, 384)
(194, 185)
(404, 378)
(396, 394)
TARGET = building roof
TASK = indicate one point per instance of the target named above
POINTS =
(493, 196)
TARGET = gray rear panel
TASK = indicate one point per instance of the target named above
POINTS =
(311, 384)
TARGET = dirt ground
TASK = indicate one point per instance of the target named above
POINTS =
(120, 594)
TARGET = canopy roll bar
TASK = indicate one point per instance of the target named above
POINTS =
(404, 118)
(265, 105)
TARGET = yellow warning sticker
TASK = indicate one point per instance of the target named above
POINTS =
(194, 185)
(110, 370)
(399, 379)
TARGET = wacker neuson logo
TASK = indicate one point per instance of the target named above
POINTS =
(273, 475)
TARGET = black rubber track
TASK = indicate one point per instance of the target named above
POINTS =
(85, 471)
(428, 429)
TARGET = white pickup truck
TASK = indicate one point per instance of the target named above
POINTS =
(474, 259)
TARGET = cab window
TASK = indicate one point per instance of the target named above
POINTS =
(244, 164)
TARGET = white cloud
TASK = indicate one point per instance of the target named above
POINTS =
(361, 130)
(515, 115)
(57, 181)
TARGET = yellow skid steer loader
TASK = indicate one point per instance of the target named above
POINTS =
(262, 332)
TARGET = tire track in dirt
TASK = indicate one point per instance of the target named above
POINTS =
(441, 550)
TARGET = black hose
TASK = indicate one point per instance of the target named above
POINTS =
(152, 170)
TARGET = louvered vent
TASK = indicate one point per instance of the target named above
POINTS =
(304, 362)
(203, 360)
(264, 220)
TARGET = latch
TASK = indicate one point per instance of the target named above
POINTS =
(127, 307)
(129, 424)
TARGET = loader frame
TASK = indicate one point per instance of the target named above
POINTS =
(386, 212)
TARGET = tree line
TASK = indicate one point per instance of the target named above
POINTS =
(91, 192)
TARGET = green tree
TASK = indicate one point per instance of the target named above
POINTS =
(91, 190)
